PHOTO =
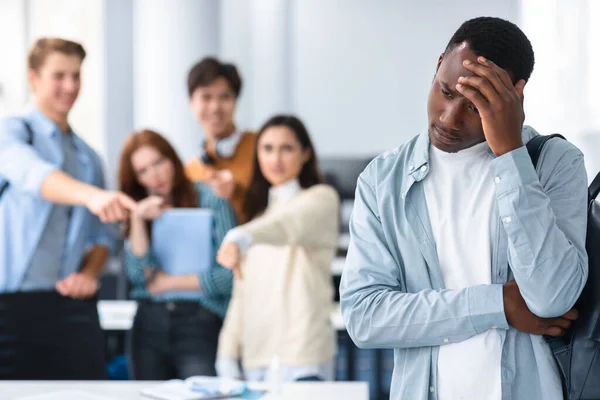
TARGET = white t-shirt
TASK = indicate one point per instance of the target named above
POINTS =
(460, 199)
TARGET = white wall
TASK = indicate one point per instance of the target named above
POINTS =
(235, 28)
(256, 36)
(168, 38)
(356, 72)
(359, 71)
(562, 95)
(13, 88)
(119, 99)
(363, 71)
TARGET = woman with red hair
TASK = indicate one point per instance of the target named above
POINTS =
(172, 337)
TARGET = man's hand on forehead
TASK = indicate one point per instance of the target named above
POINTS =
(498, 101)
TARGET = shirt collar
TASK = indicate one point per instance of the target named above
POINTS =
(418, 165)
(227, 146)
(41, 123)
(284, 192)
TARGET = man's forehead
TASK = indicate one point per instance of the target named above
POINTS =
(462, 45)
(452, 64)
(58, 60)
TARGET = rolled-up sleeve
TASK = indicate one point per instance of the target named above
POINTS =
(135, 265)
(20, 164)
(546, 226)
(379, 314)
(218, 281)
(106, 235)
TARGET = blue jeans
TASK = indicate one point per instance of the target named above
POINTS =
(176, 339)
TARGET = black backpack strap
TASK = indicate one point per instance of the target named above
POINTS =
(536, 144)
(534, 147)
(594, 187)
(29, 133)
(29, 141)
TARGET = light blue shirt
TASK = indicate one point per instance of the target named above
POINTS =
(392, 291)
(24, 214)
(46, 263)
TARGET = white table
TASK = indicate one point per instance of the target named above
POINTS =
(117, 315)
(130, 390)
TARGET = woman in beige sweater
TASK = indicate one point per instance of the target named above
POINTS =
(283, 295)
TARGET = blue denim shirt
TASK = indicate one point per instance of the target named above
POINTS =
(24, 213)
(392, 291)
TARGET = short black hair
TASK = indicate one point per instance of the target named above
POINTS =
(209, 69)
(498, 40)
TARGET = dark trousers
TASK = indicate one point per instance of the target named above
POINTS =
(176, 339)
(45, 336)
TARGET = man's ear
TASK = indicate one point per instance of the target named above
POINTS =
(437, 67)
(439, 62)
(32, 79)
(520, 88)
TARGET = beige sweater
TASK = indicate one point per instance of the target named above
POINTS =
(282, 305)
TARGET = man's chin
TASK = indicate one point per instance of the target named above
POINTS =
(214, 130)
(63, 109)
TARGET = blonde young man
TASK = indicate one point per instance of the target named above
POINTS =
(52, 233)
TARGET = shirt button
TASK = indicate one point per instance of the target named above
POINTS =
(432, 389)
(411, 167)
(507, 220)
(424, 168)
(497, 179)
(446, 340)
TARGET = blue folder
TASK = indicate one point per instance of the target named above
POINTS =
(182, 241)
